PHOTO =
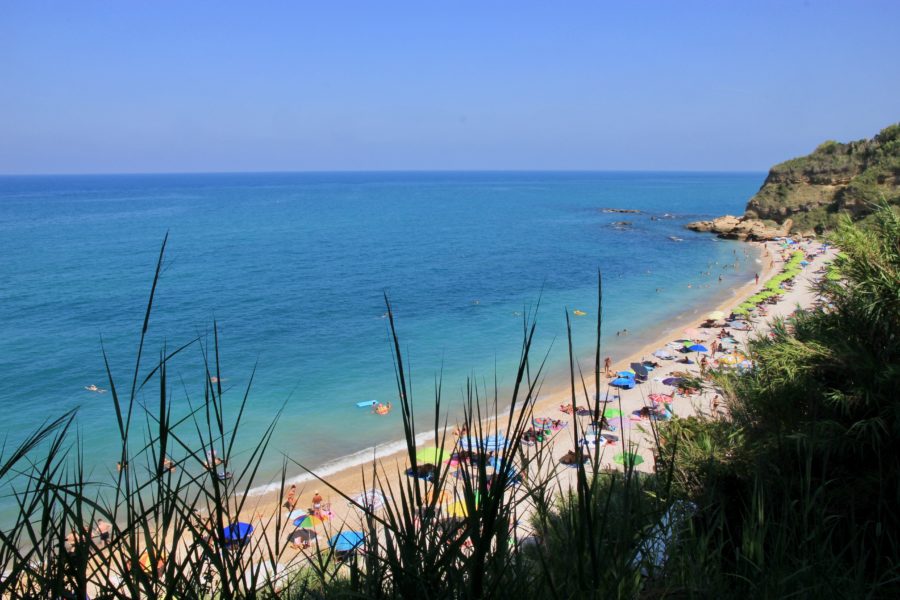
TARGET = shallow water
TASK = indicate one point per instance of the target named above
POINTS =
(293, 268)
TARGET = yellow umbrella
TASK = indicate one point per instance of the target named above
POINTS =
(716, 315)
(458, 509)
(732, 359)
(432, 455)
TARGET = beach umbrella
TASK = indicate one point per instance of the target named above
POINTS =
(732, 359)
(623, 382)
(347, 541)
(663, 354)
(295, 514)
(308, 521)
(542, 422)
(716, 315)
(625, 373)
(671, 380)
(628, 458)
(237, 532)
(370, 499)
(639, 369)
(494, 443)
(432, 455)
(619, 423)
(458, 509)
(612, 412)
(698, 348)
(145, 563)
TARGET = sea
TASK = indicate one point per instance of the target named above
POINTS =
(293, 269)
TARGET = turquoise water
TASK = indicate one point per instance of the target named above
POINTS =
(293, 268)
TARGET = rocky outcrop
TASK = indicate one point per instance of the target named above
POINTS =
(810, 193)
(742, 228)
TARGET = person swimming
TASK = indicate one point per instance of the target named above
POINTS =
(94, 388)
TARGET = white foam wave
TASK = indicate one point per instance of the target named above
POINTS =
(356, 459)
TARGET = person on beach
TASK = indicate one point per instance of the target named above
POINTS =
(317, 501)
(607, 366)
(290, 499)
(104, 530)
(212, 459)
(757, 278)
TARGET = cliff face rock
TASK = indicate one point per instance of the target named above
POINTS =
(811, 193)
(742, 228)
(837, 178)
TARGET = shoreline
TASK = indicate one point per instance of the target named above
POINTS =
(344, 472)
(555, 386)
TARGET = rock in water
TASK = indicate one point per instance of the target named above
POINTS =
(742, 228)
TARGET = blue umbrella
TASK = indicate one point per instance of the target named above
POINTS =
(627, 374)
(347, 541)
(698, 348)
(671, 380)
(494, 442)
(237, 532)
(623, 382)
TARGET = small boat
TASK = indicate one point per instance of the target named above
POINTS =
(366, 403)
(382, 409)
(675, 238)
(579, 313)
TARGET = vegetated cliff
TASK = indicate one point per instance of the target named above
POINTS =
(808, 194)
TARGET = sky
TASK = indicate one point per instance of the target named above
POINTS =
(210, 86)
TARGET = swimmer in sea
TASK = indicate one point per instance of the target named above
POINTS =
(94, 388)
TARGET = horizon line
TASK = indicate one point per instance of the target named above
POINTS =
(377, 171)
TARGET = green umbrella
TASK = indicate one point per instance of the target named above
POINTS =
(628, 458)
(611, 413)
(432, 455)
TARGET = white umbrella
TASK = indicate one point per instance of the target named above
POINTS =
(371, 499)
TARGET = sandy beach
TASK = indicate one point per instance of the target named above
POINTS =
(632, 433)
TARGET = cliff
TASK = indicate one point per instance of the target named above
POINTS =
(809, 193)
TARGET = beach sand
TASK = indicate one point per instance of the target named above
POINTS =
(351, 481)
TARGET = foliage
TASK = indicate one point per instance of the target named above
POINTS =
(813, 433)
(834, 181)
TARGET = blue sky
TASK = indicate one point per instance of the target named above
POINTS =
(111, 87)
